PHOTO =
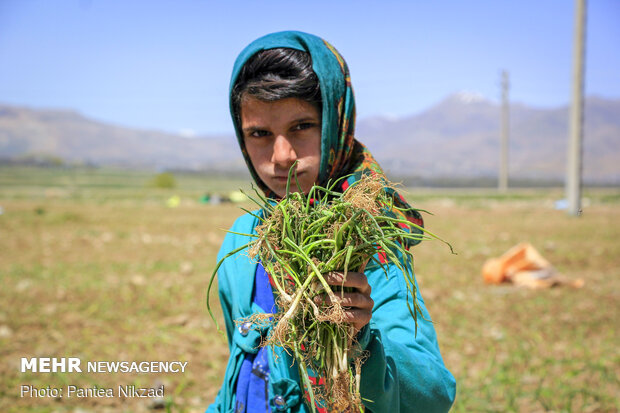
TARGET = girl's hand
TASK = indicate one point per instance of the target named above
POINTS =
(357, 303)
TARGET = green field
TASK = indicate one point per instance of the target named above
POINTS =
(95, 265)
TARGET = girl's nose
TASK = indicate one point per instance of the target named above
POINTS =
(283, 152)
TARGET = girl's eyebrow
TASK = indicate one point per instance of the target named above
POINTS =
(305, 119)
(252, 128)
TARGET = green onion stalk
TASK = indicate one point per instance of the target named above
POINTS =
(302, 238)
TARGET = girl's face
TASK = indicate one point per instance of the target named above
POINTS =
(276, 134)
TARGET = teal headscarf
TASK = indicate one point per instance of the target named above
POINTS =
(338, 103)
(341, 153)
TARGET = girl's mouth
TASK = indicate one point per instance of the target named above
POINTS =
(284, 178)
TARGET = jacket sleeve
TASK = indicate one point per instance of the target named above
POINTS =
(404, 371)
(226, 299)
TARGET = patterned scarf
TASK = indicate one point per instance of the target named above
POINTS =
(341, 153)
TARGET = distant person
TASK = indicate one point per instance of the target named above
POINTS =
(291, 101)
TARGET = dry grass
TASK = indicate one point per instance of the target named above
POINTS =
(113, 274)
(520, 350)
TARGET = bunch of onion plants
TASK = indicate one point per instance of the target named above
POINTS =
(301, 239)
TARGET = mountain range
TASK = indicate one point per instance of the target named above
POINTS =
(456, 138)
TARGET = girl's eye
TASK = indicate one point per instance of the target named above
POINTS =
(259, 133)
(305, 125)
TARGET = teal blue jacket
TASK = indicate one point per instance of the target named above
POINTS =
(403, 373)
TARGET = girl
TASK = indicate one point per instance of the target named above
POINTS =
(291, 101)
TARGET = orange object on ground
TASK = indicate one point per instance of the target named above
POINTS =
(522, 257)
(523, 265)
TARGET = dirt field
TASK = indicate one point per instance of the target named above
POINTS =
(96, 265)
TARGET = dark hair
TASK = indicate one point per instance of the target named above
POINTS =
(276, 74)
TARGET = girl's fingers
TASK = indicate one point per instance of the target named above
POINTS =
(347, 300)
(356, 302)
(358, 318)
(356, 280)
(357, 308)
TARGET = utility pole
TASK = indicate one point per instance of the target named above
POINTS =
(503, 158)
(573, 171)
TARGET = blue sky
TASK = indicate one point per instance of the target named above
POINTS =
(166, 65)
